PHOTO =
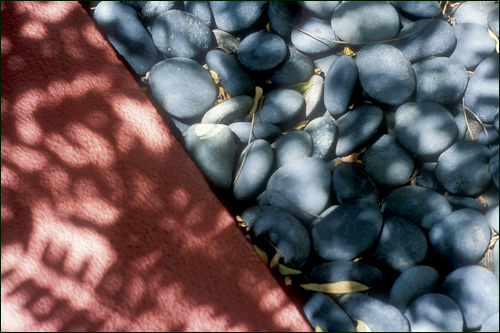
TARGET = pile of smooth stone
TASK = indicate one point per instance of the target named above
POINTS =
(360, 163)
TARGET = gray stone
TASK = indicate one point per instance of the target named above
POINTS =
(280, 106)
(322, 311)
(314, 36)
(434, 313)
(212, 148)
(365, 21)
(460, 202)
(351, 182)
(339, 85)
(492, 217)
(296, 68)
(281, 16)
(261, 51)
(152, 9)
(425, 128)
(267, 132)
(475, 290)
(491, 324)
(385, 73)
(293, 146)
(420, 9)
(346, 270)
(474, 44)
(323, 9)
(226, 41)
(201, 9)
(182, 87)
(325, 62)
(493, 21)
(233, 16)
(324, 134)
(474, 12)
(228, 111)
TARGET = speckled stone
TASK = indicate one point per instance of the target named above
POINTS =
(385, 73)
(152, 9)
(324, 134)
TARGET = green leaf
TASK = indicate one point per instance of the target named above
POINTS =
(301, 87)
(284, 270)
(341, 287)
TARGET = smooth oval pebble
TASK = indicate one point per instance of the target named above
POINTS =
(280, 106)
(281, 16)
(228, 111)
(348, 231)
(301, 188)
(434, 39)
(152, 9)
(491, 324)
(461, 238)
(434, 313)
(402, 244)
(385, 73)
(233, 78)
(492, 217)
(261, 51)
(280, 228)
(493, 23)
(440, 80)
(425, 128)
(420, 9)
(233, 16)
(292, 146)
(212, 148)
(180, 34)
(482, 92)
(357, 127)
(378, 315)
(325, 63)
(339, 85)
(475, 290)
(346, 270)
(474, 12)
(201, 9)
(365, 21)
(182, 87)
(315, 37)
(128, 36)
(460, 202)
(463, 168)
(322, 311)
(324, 134)
(412, 283)
(474, 44)
(418, 204)
(322, 9)
(256, 170)
(267, 132)
(351, 182)
(296, 68)
(387, 162)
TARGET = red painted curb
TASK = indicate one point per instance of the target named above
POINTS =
(106, 222)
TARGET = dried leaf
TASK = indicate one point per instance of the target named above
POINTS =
(341, 287)
(288, 281)
(215, 76)
(258, 95)
(318, 329)
(261, 254)
(361, 326)
(274, 262)
(492, 35)
(241, 222)
(317, 71)
(301, 125)
(268, 27)
(348, 51)
(301, 87)
(285, 270)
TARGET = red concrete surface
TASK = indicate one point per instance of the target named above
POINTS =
(106, 222)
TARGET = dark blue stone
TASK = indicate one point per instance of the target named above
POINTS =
(351, 182)
(378, 315)
(267, 132)
(323, 9)
(325, 62)
(475, 290)
(322, 311)
(233, 78)
(432, 39)
(461, 238)
(474, 12)
(339, 85)
(474, 44)
(357, 127)
(285, 232)
(253, 177)
(482, 92)
(302, 188)
(385, 73)
(434, 313)
(282, 15)
(201, 9)
(261, 51)
(125, 32)
(460, 202)
(181, 34)
(315, 37)
(493, 21)
(296, 68)
(233, 16)
(280, 106)
(324, 134)
(346, 270)
(425, 128)
(440, 80)
(493, 166)
(420, 205)
(365, 21)
(420, 9)
(387, 162)
(463, 168)
(347, 231)
(293, 146)
(182, 87)
(412, 283)
(153, 9)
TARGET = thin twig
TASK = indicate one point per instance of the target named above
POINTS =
(295, 205)
(479, 121)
